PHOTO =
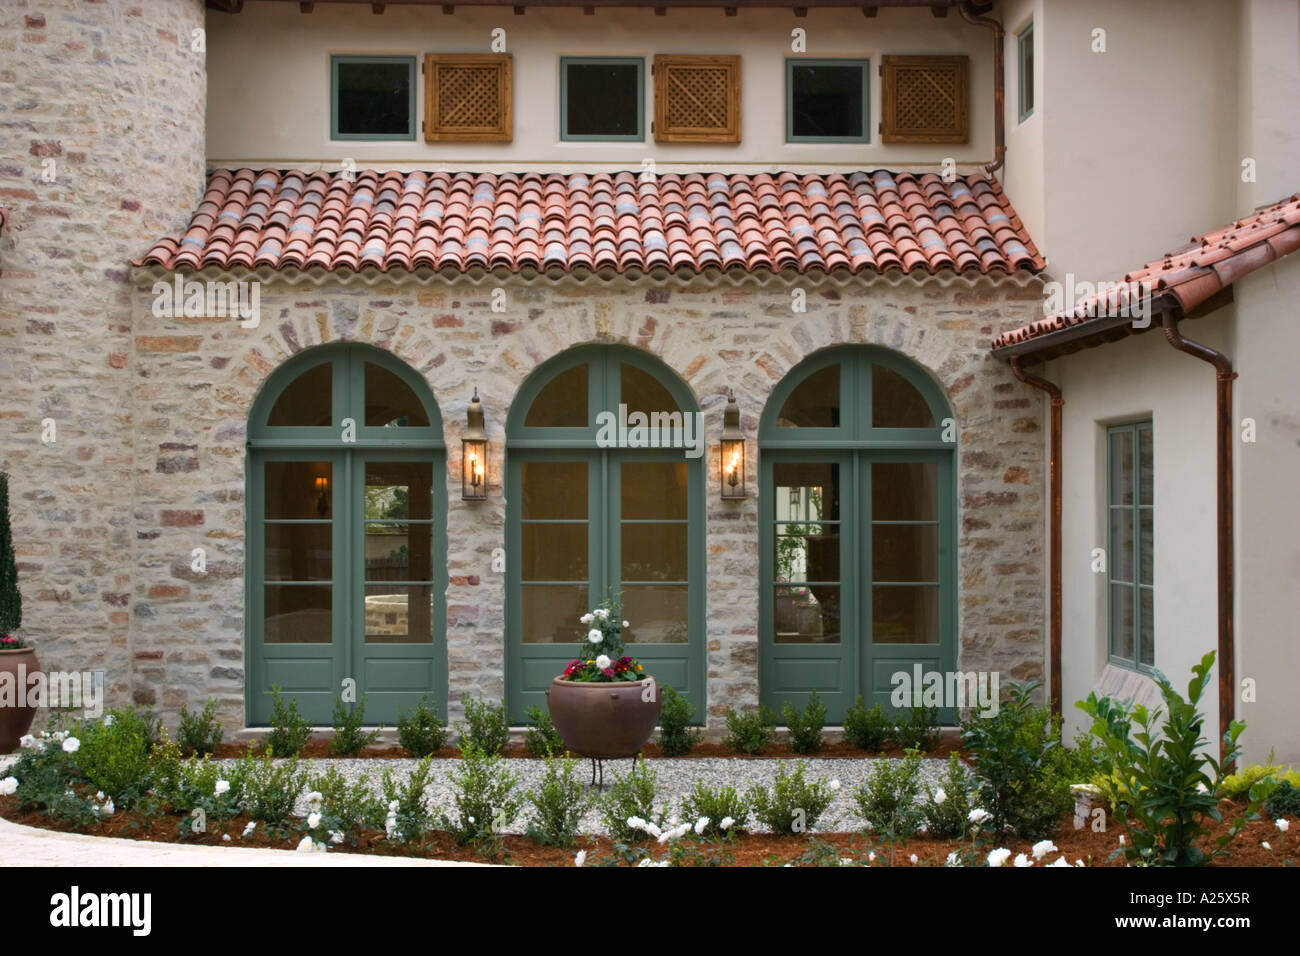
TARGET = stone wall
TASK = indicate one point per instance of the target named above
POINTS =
(101, 151)
(195, 380)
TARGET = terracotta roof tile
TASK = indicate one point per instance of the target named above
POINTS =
(1189, 275)
(859, 222)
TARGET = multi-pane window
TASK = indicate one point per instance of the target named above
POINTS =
(826, 101)
(1025, 59)
(1130, 506)
(602, 98)
(372, 97)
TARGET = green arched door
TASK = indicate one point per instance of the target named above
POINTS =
(587, 519)
(346, 547)
(856, 526)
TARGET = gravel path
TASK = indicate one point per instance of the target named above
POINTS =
(675, 778)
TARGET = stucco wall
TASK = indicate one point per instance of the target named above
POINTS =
(196, 379)
(112, 95)
(269, 82)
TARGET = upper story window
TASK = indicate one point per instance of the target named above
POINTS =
(1131, 533)
(1025, 59)
(372, 97)
(602, 98)
(827, 101)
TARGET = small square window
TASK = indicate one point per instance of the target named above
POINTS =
(826, 101)
(1025, 55)
(372, 97)
(602, 98)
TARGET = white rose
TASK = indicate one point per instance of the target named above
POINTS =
(626, 624)
(108, 808)
(1042, 848)
(223, 786)
(998, 857)
(71, 745)
(27, 742)
(1022, 861)
(252, 825)
(586, 619)
(336, 836)
(305, 844)
(701, 825)
(225, 837)
(939, 797)
(594, 636)
(8, 786)
(108, 720)
(1282, 825)
(913, 859)
(580, 858)
(313, 820)
(727, 823)
(602, 661)
(601, 613)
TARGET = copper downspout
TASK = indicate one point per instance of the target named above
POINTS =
(1054, 532)
(1223, 427)
(999, 93)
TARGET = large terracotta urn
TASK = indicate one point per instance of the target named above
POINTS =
(16, 669)
(604, 720)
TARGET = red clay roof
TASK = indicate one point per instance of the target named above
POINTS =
(859, 222)
(1190, 275)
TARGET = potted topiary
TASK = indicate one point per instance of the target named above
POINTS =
(17, 660)
(604, 705)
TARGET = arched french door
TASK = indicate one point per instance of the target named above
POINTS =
(587, 520)
(346, 547)
(857, 530)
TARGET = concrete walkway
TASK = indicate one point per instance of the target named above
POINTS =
(32, 846)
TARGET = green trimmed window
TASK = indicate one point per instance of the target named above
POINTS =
(1131, 553)
(587, 518)
(1025, 71)
(857, 547)
(602, 98)
(827, 101)
(372, 97)
(346, 548)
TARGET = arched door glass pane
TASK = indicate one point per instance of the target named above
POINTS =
(307, 401)
(390, 402)
(562, 403)
(815, 402)
(896, 402)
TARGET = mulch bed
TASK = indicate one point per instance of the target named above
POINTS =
(777, 750)
(757, 849)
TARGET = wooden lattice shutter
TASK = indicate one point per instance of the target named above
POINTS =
(925, 99)
(697, 99)
(467, 97)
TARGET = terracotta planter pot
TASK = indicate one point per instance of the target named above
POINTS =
(15, 721)
(605, 720)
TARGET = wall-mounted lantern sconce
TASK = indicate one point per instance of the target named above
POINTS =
(473, 446)
(733, 450)
(322, 500)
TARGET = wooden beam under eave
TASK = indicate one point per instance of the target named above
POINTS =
(938, 12)
(519, 11)
(448, 9)
(870, 11)
(661, 11)
(376, 8)
(729, 11)
(306, 7)
(801, 11)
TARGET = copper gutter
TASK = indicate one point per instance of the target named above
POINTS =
(999, 92)
(1054, 533)
(1223, 428)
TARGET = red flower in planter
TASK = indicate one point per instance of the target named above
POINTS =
(608, 672)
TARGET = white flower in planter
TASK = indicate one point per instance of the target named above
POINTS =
(313, 820)
(594, 636)
(727, 823)
(1042, 848)
(999, 856)
(1022, 861)
(8, 786)
(71, 745)
(223, 786)
(580, 858)
(602, 661)
(1282, 825)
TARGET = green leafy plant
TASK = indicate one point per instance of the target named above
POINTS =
(483, 799)
(199, 733)
(114, 755)
(805, 725)
(718, 804)
(271, 788)
(600, 655)
(919, 731)
(1171, 779)
(349, 739)
(11, 599)
(408, 817)
(947, 806)
(345, 808)
(290, 731)
(792, 805)
(557, 804)
(1284, 801)
(542, 739)
(676, 736)
(867, 729)
(630, 797)
(1237, 784)
(749, 731)
(888, 801)
(485, 728)
(421, 731)
(1011, 753)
